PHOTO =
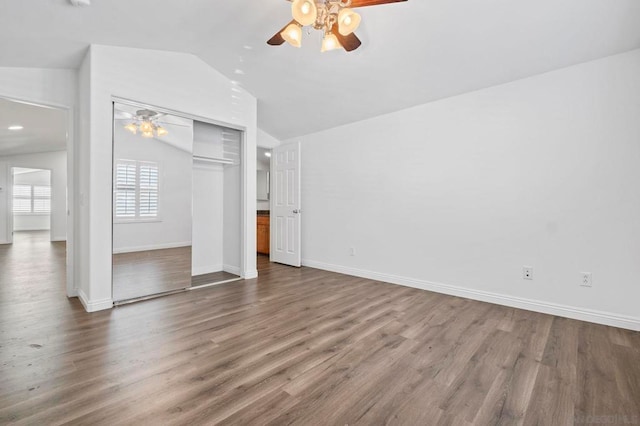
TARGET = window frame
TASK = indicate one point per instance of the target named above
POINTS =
(32, 199)
(136, 218)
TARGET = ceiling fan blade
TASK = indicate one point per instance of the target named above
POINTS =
(173, 124)
(349, 42)
(122, 115)
(363, 3)
(277, 39)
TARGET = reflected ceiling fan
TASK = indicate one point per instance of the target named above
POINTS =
(145, 121)
(334, 17)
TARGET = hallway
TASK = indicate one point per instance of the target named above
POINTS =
(32, 269)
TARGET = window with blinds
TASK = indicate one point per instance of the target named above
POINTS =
(31, 199)
(136, 190)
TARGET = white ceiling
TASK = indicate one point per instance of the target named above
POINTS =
(412, 52)
(180, 130)
(45, 129)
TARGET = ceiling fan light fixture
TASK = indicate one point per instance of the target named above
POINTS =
(348, 21)
(161, 131)
(293, 34)
(147, 134)
(132, 128)
(330, 42)
(146, 127)
(304, 11)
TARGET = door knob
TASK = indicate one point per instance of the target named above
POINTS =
(296, 211)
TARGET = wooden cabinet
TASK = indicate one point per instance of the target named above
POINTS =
(263, 235)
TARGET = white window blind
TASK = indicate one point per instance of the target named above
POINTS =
(136, 190)
(31, 199)
(41, 199)
(148, 173)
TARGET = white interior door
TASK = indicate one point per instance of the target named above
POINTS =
(285, 205)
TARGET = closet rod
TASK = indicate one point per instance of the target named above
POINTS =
(212, 159)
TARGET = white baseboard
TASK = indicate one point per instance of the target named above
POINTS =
(250, 274)
(598, 317)
(94, 305)
(152, 247)
(73, 292)
(235, 270)
(56, 239)
(201, 270)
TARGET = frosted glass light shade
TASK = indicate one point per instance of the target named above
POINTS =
(132, 128)
(348, 21)
(161, 131)
(146, 127)
(330, 42)
(305, 12)
(293, 35)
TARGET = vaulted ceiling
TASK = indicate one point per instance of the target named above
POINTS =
(412, 52)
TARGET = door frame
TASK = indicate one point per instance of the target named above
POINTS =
(9, 204)
(72, 289)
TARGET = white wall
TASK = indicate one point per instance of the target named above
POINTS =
(31, 221)
(457, 195)
(57, 163)
(216, 204)
(265, 140)
(208, 191)
(176, 81)
(58, 88)
(172, 228)
(232, 214)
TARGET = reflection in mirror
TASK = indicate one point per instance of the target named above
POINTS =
(263, 185)
(152, 187)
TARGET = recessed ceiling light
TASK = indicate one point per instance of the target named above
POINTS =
(268, 154)
(16, 127)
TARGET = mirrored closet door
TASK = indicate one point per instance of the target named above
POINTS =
(152, 186)
(176, 203)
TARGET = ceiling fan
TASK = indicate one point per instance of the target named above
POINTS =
(334, 17)
(144, 121)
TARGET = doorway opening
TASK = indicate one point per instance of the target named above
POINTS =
(33, 197)
(263, 204)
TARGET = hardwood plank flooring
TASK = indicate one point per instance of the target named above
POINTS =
(299, 346)
(212, 278)
(149, 272)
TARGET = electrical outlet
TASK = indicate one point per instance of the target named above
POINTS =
(352, 251)
(527, 272)
(586, 279)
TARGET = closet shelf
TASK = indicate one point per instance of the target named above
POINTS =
(212, 160)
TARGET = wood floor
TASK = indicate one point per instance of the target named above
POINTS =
(212, 278)
(300, 346)
(144, 273)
